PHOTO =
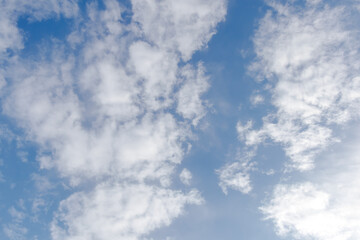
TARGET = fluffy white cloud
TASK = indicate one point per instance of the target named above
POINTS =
(236, 175)
(306, 211)
(324, 205)
(182, 26)
(302, 209)
(190, 105)
(117, 211)
(10, 10)
(185, 176)
(310, 55)
(115, 102)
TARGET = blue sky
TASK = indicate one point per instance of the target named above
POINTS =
(169, 120)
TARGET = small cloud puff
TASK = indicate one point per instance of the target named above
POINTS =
(236, 175)
(257, 99)
(185, 176)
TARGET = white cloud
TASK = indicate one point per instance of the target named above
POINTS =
(15, 231)
(190, 105)
(256, 99)
(114, 103)
(17, 215)
(119, 211)
(236, 175)
(325, 204)
(112, 124)
(42, 183)
(182, 26)
(302, 210)
(10, 10)
(159, 68)
(310, 55)
(185, 176)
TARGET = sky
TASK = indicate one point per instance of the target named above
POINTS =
(179, 120)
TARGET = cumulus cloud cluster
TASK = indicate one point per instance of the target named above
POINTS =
(124, 212)
(10, 35)
(113, 107)
(309, 54)
(325, 204)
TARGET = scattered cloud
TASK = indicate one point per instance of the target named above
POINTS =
(310, 55)
(302, 210)
(15, 229)
(185, 176)
(181, 26)
(324, 204)
(257, 99)
(190, 105)
(113, 211)
(236, 175)
(113, 107)
(11, 38)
